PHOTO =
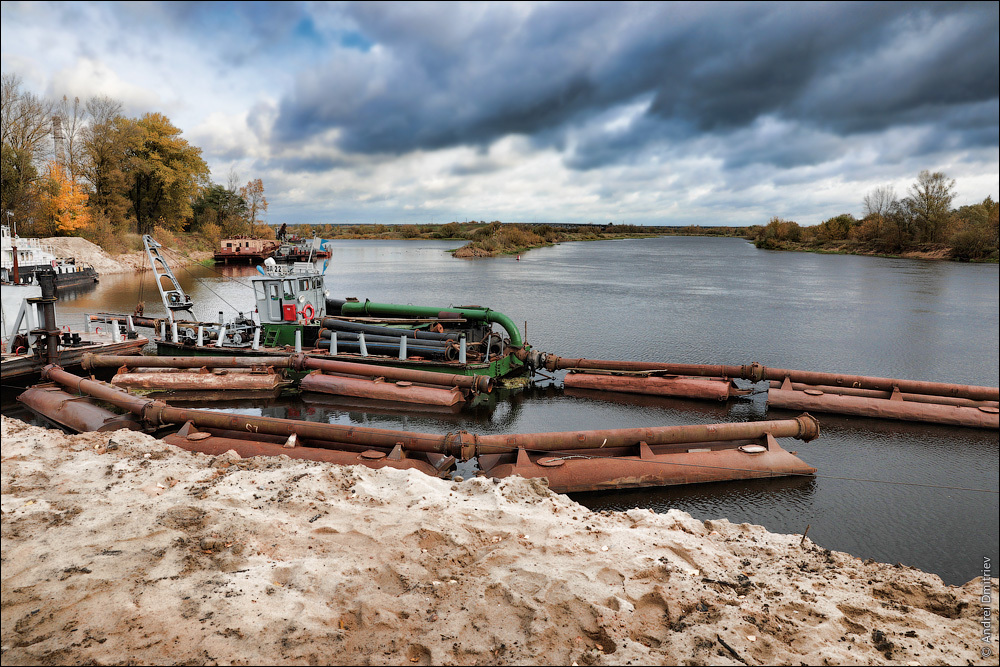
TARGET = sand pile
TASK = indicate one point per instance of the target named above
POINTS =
(120, 548)
(85, 252)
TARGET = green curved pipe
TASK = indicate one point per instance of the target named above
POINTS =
(371, 309)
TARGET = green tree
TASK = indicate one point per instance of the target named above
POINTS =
(777, 233)
(108, 143)
(25, 124)
(837, 228)
(18, 173)
(221, 206)
(166, 174)
(975, 236)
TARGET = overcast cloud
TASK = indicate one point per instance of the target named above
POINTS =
(654, 113)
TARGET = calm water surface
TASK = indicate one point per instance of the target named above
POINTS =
(895, 492)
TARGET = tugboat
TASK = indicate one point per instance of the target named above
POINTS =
(293, 313)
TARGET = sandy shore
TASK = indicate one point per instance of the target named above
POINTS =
(118, 548)
(86, 252)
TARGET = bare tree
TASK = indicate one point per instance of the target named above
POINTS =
(930, 204)
(24, 119)
(877, 205)
(253, 195)
(72, 117)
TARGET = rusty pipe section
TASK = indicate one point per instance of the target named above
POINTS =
(297, 362)
(206, 443)
(195, 381)
(818, 401)
(804, 427)
(757, 372)
(466, 445)
(74, 412)
(90, 362)
(405, 392)
(875, 393)
(686, 387)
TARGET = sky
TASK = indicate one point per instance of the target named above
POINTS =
(645, 113)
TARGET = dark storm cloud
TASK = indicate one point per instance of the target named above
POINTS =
(467, 76)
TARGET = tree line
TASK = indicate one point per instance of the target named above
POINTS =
(921, 220)
(84, 168)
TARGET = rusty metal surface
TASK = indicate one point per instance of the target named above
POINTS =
(206, 381)
(875, 393)
(77, 413)
(476, 383)
(688, 387)
(645, 467)
(955, 415)
(93, 361)
(197, 442)
(757, 372)
(402, 391)
(461, 444)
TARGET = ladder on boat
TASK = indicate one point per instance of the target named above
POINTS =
(174, 299)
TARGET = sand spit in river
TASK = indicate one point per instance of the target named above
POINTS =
(118, 548)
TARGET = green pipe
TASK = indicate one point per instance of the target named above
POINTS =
(371, 309)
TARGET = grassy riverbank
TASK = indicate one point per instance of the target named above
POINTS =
(488, 239)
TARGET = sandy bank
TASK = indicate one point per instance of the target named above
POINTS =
(118, 547)
(86, 252)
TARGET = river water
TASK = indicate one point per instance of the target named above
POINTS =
(921, 495)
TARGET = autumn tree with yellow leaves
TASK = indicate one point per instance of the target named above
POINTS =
(62, 203)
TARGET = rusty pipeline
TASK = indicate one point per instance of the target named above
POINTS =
(403, 391)
(462, 444)
(297, 362)
(644, 466)
(757, 372)
(74, 412)
(875, 393)
(207, 443)
(658, 385)
(818, 401)
(200, 381)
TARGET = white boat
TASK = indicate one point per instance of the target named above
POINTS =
(27, 257)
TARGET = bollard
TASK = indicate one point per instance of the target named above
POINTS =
(131, 325)
(298, 341)
(361, 341)
(115, 333)
(201, 335)
(256, 338)
(163, 330)
(333, 343)
(402, 348)
(461, 349)
(86, 323)
(173, 332)
(222, 334)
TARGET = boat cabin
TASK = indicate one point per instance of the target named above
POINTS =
(286, 296)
